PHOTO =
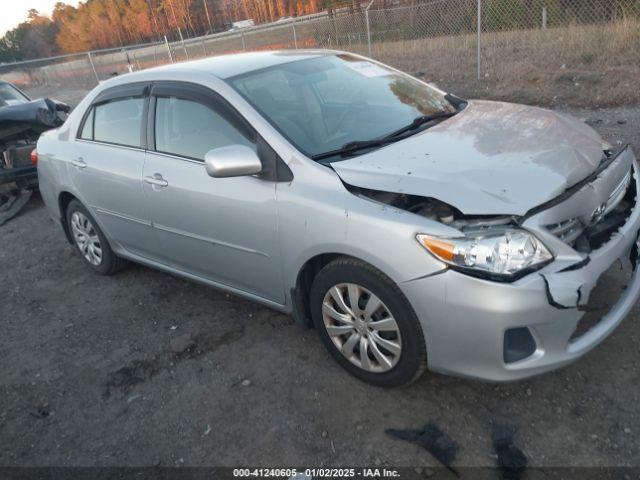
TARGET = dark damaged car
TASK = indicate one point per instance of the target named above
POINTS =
(21, 123)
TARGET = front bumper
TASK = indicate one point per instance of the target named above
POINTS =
(464, 318)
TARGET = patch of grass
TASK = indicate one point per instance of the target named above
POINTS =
(592, 65)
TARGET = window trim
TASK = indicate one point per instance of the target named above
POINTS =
(198, 94)
(114, 94)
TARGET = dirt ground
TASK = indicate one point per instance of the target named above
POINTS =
(90, 377)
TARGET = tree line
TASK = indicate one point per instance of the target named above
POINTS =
(96, 24)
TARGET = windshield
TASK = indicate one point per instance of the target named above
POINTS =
(323, 103)
(9, 95)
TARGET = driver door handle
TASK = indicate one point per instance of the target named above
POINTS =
(156, 181)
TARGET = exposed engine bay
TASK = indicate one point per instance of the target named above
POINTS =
(432, 209)
(585, 237)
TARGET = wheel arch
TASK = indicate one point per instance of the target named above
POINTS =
(301, 310)
(64, 199)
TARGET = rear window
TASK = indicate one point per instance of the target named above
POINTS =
(118, 122)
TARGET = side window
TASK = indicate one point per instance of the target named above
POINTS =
(87, 128)
(191, 129)
(119, 122)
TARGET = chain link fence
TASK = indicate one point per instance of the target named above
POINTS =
(536, 50)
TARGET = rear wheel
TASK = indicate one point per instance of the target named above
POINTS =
(367, 324)
(91, 242)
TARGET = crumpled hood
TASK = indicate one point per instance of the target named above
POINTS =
(492, 158)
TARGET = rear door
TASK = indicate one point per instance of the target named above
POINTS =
(108, 162)
(220, 229)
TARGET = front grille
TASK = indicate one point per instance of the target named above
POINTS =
(567, 231)
(573, 231)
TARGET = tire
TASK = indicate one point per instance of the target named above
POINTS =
(345, 277)
(99, 255)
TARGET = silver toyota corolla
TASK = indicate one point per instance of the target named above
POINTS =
(412, 228)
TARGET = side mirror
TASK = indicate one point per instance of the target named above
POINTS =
(232, 161)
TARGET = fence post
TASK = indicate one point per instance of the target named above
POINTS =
(166, 42)
(244, 45)
(366, 18)
(186, 54)
(479, 28)
(295, 37)
(93, 67)
(544, 17)
(126, 56)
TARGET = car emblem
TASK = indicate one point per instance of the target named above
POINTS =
(598, 213)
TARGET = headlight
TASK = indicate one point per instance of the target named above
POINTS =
(505, 254)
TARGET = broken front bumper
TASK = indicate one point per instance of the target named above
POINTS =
(468, 321)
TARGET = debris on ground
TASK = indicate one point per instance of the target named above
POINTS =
(12, 203)
(40, 412)
(511, 459)
(181, 344)
(246, 382)
(136, 372)
(431, 438)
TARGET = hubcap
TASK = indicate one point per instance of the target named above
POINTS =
(361, 327)
(86, 238)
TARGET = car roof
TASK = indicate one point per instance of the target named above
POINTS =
(230, 65)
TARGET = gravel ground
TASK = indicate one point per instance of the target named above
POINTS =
(90, 376)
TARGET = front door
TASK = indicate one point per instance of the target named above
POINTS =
(221, 229)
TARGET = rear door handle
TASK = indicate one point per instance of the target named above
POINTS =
(156, 180)
(79, 163)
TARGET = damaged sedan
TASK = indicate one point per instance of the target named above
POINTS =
(413, 229)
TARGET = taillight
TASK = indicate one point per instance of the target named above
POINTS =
(34, 157)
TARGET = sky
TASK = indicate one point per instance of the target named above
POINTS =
(14, 12)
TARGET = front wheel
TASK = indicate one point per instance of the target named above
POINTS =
(367, 324)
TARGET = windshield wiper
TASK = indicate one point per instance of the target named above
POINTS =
(353, 147)
(406, 131)
(419, 121)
